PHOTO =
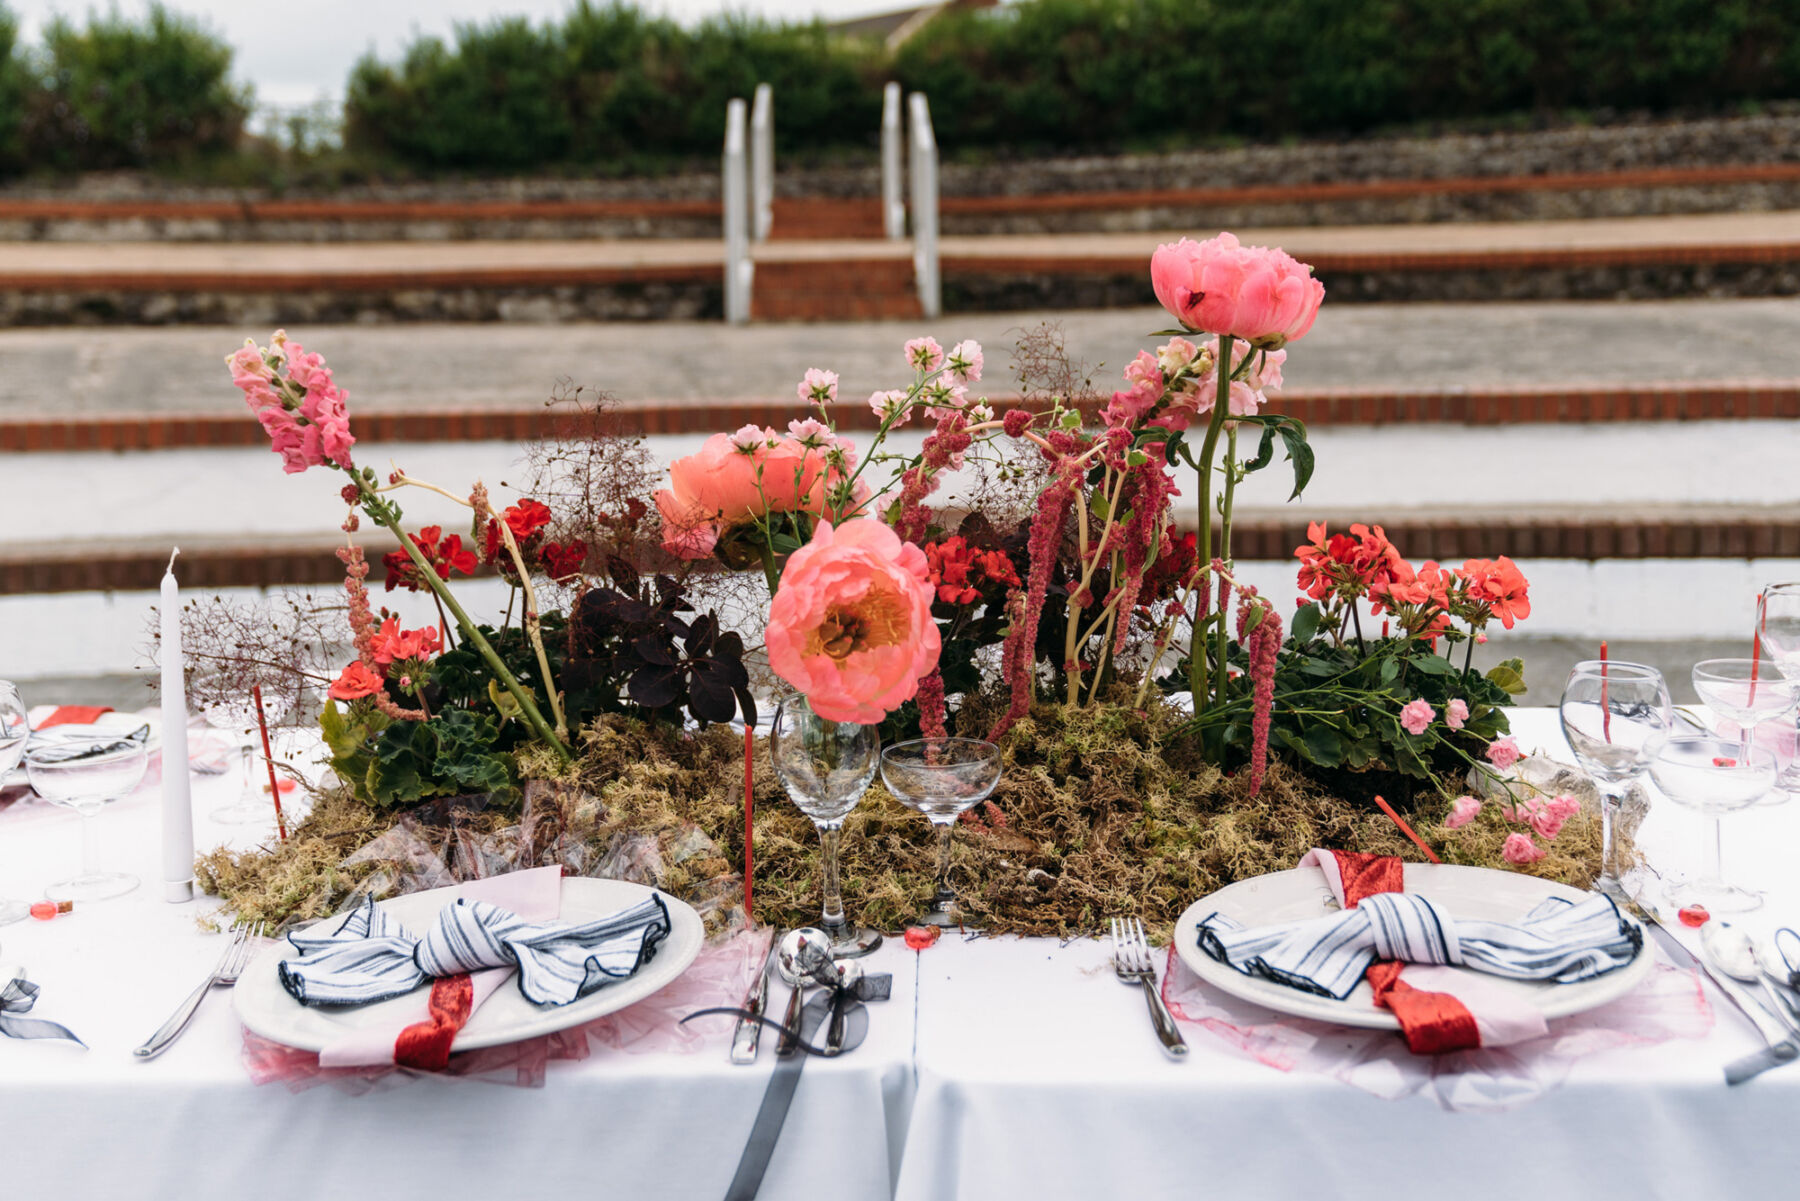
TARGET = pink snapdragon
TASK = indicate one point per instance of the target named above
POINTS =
(1504, 752)
(1462, 811)
(1455, 714)
(1416, 717)
(966, 361)
(291, 393)
(924, 355)
(890, 406)
(818, 386)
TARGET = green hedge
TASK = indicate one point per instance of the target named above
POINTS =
(13, 90)
(608, 83)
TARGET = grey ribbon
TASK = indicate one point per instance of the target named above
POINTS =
(18, 997)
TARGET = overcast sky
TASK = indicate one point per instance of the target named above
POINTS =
(295, 51)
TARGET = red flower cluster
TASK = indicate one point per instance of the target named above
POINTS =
(1340, 569)
(1498, 586)
(1346, 566)
(444, 554)
(961, 572)
(562, 562)
(390, 644)
(526, 520)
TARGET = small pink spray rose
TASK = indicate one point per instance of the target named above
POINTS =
(1462, 811)
(1455, 714)
(1504, 752)
(1417, 717)
(1519, 849)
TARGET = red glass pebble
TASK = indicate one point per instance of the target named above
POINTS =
(1694, 915)
(1721, 761)
(43, 911)
(920, 937)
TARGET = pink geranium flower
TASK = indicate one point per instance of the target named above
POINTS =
(1462, 811)
(1504, 752)
(723, 486)
(1256, 293)
(1455, 714)
(851, 626)
(1417, 717)
(1519, 849)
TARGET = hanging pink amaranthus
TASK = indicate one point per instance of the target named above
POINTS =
(1019, 656)
(943, 449)
(1263, 644)
(932, 711)
(1143, 536)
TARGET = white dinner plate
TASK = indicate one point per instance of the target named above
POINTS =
(266, 1008)
(1474, 892)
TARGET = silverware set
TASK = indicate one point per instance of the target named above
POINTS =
(232, 962)
(1133, 964)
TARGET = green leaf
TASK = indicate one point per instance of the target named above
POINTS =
(1323, 745)
(1431, 665)
(1390, 670)
(1306, 623)
(1509, 675)
(1265, 451)
(1299, 453)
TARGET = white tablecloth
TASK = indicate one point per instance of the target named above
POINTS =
(1001, 1069)
(190, 1126)
(1039, 1077)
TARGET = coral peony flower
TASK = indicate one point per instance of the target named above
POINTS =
(1455, 714)
(723, 486)
(1462, 811)
(1260, 294)
(355, 681)
(1504, 752)
(1416, 717)
(850, 625)
(819, 386)
(1519, 849)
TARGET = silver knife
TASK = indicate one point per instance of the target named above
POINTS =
(1782, 1048)
(749, 1029)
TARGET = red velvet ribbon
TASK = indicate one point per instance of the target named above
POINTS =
(1433, 1022)
(426, 1045)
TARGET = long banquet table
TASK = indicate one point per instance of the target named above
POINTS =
(1001, 1068)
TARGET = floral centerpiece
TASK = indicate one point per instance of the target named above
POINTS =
(1057, 577)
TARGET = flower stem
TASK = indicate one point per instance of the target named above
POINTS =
(387, 516)
(1221, 643)
(1199, 670)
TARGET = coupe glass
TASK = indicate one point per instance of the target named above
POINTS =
(237, 717)
(1749, 693)
(85, 774)
(826, 766)
(15, 729)
(1616, 717)
(1778, 628)
(1713, 776)
(941, 778)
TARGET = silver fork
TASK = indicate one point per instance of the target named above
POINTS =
(226, 971)
(1133, 965)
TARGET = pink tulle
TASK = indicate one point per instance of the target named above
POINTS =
(1669, 1004)
(719, 976)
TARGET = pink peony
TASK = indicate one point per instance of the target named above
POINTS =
(1462, 811)
(818, 386)
(850, 625)
(1518, 848)
(1455, 714)
(924, 355)
(1259, 294)
(1417, 717)
(723, 486)
(966, 361)
(1504, 752)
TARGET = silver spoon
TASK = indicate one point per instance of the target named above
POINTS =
(801, 953)
(1729, 950)
(1774, 977)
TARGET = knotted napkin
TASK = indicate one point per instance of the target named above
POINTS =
(17, 996)
(370, 956)
(1382, 927)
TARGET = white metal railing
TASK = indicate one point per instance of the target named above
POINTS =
(738, 267)
(924, 172)
(762, 162)
(893, 184)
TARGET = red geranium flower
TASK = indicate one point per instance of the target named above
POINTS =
(391, 645)
(1497, 588)
(959, 572)
(355, 681)
(525, 519)
(444, 554)
(562, 562)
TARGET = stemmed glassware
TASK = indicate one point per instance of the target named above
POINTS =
(1748, 692)
(826, 766)
(15, 731)
(1778, 630)
(941, 778)
(1616, 717)
(1713, 776)
(237, 716)
(86, 774)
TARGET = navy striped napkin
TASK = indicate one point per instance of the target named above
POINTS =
(1559, 940)
(370, 956)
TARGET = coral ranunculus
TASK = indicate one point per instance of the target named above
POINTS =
(850, 626)
(723, 486)
(1257, 293)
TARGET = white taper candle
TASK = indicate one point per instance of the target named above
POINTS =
(178, 803)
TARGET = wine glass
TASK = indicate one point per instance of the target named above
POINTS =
(15, 729)
(1711, 776)
(85, 774)
(826, 767)
(236, 714)
(941, 778)
(1616, 717)
(1778, 629)
(1748, 692)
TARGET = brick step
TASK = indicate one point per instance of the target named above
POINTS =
(1560, 405)
(267, 561)
(815, 218)
(828, 290)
